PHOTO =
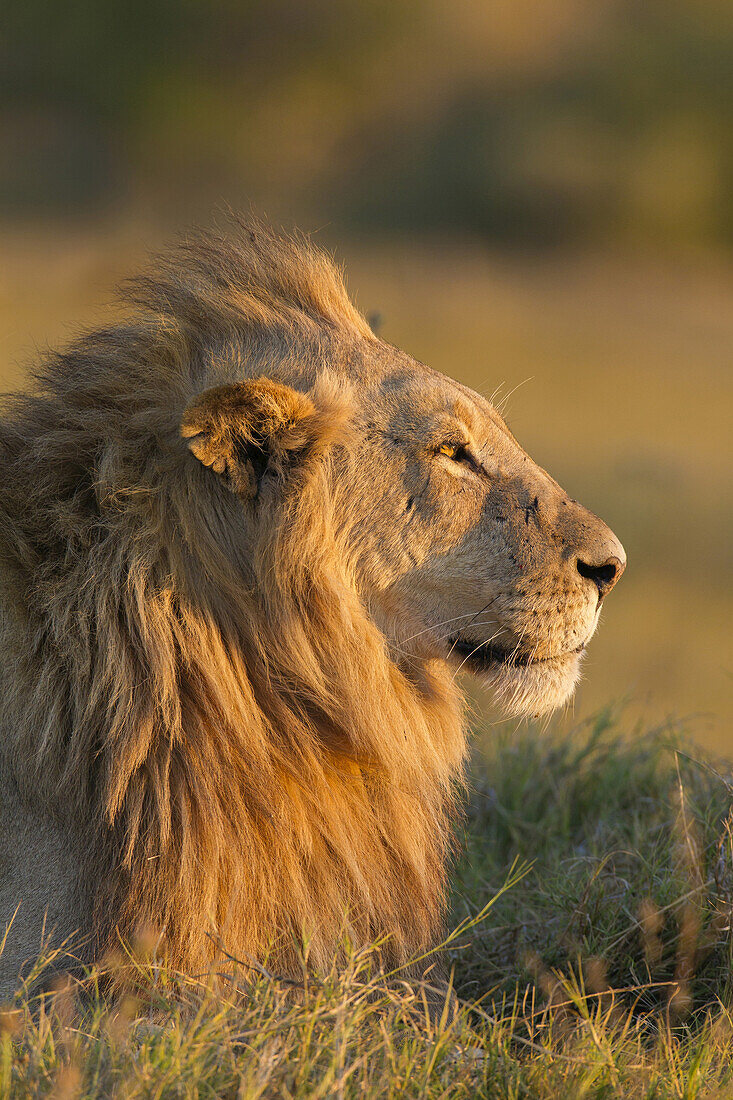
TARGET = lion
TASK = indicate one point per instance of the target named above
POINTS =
(245, 547)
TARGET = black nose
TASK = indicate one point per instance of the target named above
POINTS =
(604, 576)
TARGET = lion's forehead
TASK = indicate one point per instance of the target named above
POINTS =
(417, 403)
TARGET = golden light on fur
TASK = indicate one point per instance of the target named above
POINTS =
(227, 561)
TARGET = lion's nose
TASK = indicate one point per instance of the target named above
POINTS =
(604, 574)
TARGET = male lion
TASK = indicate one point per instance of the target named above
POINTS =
(245, 546)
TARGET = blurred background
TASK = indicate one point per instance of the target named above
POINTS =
(536, 197)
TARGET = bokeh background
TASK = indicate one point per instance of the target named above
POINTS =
(536, 196)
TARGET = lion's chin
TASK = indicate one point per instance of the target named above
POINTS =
(536, 689)
(525, 688)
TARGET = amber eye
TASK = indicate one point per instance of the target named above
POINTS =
(456, 451)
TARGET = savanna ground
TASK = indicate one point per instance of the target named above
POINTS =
(592, 896)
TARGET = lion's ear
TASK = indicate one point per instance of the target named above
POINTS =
(245, 428)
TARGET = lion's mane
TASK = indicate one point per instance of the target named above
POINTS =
(230, 738)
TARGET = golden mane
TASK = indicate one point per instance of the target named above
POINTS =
(227, 733)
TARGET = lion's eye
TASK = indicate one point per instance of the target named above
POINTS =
(456, 451)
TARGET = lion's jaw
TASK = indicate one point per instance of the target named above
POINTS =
(486, 563)
(524, 687)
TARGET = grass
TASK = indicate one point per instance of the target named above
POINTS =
(591, 954)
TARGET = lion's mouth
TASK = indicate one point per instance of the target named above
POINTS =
(482, 656)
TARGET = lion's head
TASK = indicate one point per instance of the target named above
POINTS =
(477, 555)
(462, 548)
(244, 547)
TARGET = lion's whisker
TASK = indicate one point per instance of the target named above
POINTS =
(474, 650)
(445, 622)
(488, 622)
(398, 649)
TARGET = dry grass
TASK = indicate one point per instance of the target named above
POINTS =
(603, 969)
